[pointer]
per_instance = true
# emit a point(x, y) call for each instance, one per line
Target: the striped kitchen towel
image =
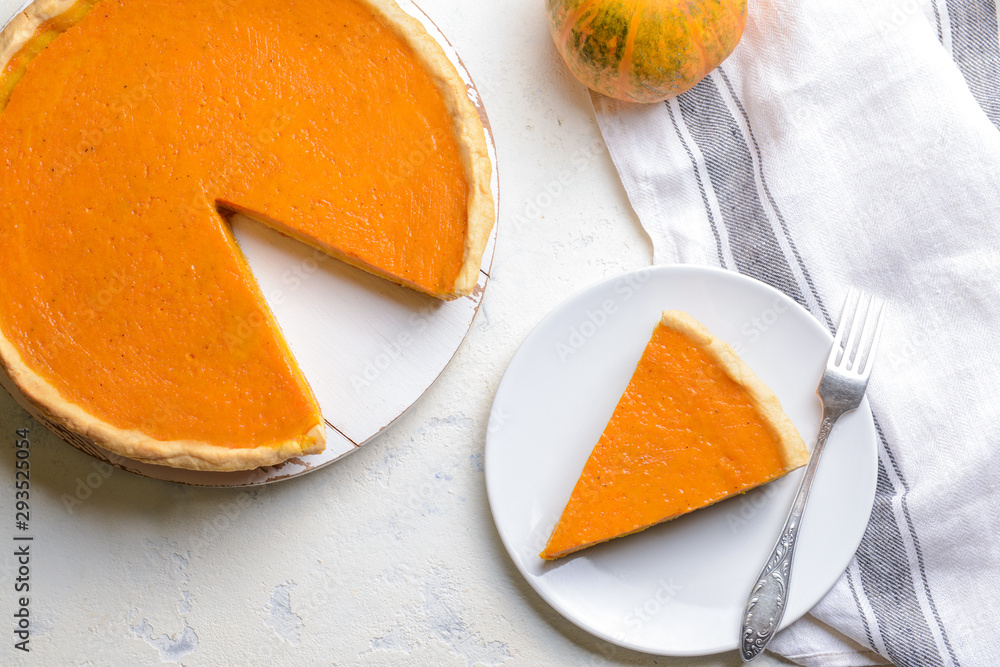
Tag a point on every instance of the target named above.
point(856, 143)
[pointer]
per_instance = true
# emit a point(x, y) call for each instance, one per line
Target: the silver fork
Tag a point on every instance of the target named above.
point(841, 389)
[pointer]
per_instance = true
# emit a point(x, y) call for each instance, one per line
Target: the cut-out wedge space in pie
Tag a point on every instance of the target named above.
point(127, 129)
point(694, 426)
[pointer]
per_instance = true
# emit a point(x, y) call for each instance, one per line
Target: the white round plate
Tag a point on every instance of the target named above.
point(677, 588)
point(368, 348)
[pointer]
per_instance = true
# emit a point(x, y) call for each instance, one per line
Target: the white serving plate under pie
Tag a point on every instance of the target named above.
point(677, 588)
point(368, 348)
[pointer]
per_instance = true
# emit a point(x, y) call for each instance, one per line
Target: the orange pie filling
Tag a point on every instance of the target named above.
point(122, 288)
point(688, 432)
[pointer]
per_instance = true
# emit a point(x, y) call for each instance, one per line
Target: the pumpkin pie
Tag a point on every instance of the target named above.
point(130, 129)
point(694, 426)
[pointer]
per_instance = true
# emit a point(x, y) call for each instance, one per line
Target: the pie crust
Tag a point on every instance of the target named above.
point(200, 455)
point(793, 450)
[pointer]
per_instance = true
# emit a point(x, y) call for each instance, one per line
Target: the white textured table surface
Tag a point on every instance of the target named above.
point(389, 556)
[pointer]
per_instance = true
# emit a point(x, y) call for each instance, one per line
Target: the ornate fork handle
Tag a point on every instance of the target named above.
point(769, 596)
point(841, 389)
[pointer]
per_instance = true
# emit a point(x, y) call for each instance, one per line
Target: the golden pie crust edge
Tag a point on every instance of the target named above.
point(469, 132)
point(137, 445)
point(790, 445)
point(200, 455)
point(23, 25)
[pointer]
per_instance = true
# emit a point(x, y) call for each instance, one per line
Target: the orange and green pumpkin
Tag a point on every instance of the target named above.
point(645, 50)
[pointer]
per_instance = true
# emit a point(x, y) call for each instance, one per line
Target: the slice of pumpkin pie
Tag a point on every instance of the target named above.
point(694, 426)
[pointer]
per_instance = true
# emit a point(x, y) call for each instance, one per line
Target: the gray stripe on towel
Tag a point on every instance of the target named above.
point(701, 186)
point(730, 168)
point(888, 586)
point(937, 20)
point(774, 205)
point(975, 46)
point(916, 541)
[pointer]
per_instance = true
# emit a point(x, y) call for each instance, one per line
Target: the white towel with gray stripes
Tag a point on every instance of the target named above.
point(856, 143)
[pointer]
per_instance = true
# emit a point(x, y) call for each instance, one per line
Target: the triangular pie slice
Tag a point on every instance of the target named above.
point(129, 128)
point(694, 426)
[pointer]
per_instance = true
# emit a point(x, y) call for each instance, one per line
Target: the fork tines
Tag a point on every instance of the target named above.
point(861, 323)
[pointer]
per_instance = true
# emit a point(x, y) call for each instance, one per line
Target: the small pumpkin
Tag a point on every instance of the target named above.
point(645, 50)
